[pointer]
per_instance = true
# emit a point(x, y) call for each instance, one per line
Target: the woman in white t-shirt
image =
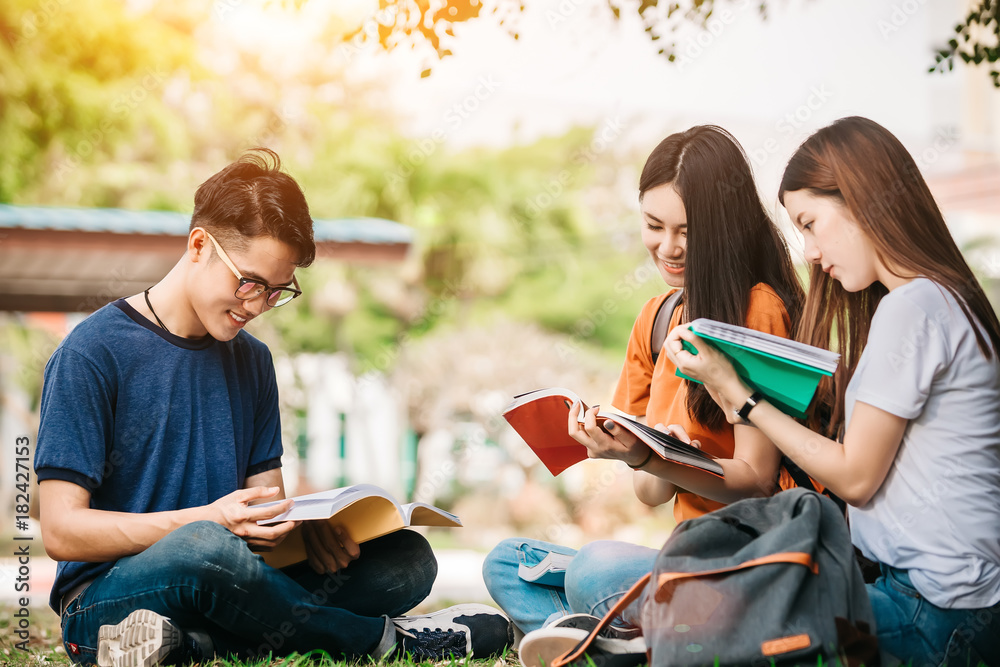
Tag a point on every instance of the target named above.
point(918, 390)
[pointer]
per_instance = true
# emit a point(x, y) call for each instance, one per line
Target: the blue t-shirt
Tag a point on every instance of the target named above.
point(149, 422)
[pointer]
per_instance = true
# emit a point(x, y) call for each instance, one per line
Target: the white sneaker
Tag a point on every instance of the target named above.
point(540, 647)
point(459, 631)
point(145, 639)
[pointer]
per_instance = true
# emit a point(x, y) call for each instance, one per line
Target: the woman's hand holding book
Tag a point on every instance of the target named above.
point(605, 441)
point(711, 368)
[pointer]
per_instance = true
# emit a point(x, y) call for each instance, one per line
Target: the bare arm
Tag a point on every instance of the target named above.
point(72, 530)
point(854, 470)
point(751, 472)
point(651, 489)
point(269, 478)
point(624, 447)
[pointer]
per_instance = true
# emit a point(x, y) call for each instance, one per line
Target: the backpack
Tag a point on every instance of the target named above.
point(763, 581)
point(789, 474)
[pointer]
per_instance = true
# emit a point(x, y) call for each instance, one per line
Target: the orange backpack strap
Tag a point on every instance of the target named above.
point(663, 593)
point(580, 649)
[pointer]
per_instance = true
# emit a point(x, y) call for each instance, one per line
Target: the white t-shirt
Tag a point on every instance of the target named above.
point(937, 514)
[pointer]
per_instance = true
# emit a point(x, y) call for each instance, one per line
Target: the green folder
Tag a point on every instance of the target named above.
point(787, 385)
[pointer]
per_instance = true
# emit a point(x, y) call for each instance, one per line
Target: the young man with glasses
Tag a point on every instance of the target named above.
point(160, 432)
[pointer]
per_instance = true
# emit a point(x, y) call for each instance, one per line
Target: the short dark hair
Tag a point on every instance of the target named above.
point(252, 197)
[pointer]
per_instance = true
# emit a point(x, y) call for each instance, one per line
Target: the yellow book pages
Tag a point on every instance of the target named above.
point(422, 515)
point(364, 519)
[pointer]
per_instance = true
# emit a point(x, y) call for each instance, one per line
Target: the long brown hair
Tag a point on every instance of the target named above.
point(732, 243)
point(866, 169)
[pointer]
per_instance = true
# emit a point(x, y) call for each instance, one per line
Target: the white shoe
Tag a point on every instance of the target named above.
point(145, 639)
point(540, 647)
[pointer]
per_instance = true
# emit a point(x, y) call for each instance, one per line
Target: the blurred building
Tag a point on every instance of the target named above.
point(56, 259)
point(59, 264)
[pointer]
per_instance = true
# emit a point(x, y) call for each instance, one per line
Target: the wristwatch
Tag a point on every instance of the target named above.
point(744, 412)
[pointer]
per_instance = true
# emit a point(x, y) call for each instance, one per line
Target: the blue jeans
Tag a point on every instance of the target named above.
point(599, 574)
point(205, 578)
point(917, 632)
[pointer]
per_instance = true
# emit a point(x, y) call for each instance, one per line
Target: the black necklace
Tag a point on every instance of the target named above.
point(158, 320)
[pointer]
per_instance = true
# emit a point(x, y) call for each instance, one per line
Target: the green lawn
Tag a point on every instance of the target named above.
point(45, 648)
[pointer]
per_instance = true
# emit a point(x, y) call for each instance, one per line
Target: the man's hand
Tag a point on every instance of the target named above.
point(237, 514)
point(329, 549)
point(622, 445)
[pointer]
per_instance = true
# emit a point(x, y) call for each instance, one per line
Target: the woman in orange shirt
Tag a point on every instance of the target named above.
point(706, 229)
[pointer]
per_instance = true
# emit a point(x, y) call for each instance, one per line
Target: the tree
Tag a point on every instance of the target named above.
point(79, 81)
point(416, 23)
point(523, 230)
point(981, 25)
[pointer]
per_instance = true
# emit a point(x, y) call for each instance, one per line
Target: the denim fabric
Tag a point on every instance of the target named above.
point(600, 573)
point(205, 578)
point(917, 632)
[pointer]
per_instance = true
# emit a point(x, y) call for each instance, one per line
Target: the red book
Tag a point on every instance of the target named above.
point(541, 417)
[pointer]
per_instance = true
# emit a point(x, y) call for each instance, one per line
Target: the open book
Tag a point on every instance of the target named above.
point(785, 371)
point(365, 511)
point(540, 418)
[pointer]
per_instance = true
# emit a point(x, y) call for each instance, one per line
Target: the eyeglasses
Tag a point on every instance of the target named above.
point(251, 289)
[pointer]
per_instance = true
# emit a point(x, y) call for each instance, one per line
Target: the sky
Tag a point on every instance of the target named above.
point(770, 82)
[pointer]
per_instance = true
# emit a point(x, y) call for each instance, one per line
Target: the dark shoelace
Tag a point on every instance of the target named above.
point(436, 643)
point(609, 632)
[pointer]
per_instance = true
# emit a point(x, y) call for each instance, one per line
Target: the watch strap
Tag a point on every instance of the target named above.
point(744, 412)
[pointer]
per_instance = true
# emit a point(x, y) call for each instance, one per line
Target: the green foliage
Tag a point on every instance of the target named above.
point(415, 23)
point(967, 44)
point(662, 19)
point(418, 24)
point(30, 347)
point(409, 23)
point(498, 231)
point(79, 79)
point(592, 298)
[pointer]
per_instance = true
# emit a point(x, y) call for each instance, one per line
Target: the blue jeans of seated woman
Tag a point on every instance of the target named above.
point(919, 633)
point(205, 578)
point(597, 577)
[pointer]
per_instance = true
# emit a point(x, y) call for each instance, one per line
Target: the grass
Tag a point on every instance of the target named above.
point(45, 648)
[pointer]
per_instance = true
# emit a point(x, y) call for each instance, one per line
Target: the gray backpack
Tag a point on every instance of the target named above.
point(763, 581)
point(760, 580)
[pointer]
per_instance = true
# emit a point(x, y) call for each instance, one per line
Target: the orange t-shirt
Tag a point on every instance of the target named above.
point(662, 396)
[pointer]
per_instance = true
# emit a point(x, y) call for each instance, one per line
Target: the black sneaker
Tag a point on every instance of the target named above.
point(145, 639)
point(460, 631)
point(540, 647)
